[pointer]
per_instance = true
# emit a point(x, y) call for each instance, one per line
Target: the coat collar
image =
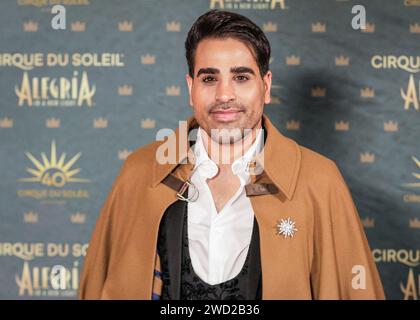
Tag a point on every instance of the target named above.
point(280, 157)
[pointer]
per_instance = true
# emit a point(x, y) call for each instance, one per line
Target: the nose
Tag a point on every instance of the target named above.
point(225, 92)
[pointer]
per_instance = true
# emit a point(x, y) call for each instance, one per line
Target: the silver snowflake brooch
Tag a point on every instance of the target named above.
point(286, 228)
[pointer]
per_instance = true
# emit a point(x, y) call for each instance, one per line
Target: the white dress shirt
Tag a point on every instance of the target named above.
point(219, 242)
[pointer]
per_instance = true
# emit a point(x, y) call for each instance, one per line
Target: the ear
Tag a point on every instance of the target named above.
point(267, 87)
point(189, 84)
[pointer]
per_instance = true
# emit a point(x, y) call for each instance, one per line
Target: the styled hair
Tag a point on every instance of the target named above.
point(223, 24)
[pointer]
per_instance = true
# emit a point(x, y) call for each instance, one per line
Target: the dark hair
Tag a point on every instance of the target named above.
point(223, 24)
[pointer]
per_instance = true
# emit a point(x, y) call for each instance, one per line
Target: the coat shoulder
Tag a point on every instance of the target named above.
point(140, 162)
point(317, 168)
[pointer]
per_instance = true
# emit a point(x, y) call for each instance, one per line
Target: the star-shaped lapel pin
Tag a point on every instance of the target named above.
point(286, 228)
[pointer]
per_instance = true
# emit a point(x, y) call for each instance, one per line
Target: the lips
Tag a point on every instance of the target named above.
point(226, 115)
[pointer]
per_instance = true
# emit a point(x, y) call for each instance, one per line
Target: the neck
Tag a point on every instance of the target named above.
point(226, 154)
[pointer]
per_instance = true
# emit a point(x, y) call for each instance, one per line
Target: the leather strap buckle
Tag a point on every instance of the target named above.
point(185, 185)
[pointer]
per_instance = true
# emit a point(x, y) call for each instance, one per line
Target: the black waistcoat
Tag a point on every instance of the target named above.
point(178, 276)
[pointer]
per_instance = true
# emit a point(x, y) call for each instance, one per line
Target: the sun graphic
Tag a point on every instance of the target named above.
point(52, 172)
point(416, 175)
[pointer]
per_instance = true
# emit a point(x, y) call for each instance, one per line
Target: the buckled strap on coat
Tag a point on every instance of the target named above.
point(251, 189)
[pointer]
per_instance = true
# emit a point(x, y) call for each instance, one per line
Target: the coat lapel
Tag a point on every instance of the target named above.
point(172, 229)
point(254, 270)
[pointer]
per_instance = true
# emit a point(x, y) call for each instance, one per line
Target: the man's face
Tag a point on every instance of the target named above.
point(227, 91)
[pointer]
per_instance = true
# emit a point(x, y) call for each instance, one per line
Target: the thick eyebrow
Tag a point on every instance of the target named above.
point(242, 70)
point(235, 70)
point(208, 71)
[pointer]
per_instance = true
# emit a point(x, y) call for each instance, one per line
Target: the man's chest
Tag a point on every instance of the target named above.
point(222, 189)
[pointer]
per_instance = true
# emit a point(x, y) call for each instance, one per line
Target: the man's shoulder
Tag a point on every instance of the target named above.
point(314, 159)
point(141, 160)
point(145, 154)
point(316, 167)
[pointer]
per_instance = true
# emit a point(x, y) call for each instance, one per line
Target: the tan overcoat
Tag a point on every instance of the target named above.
point(327, 258)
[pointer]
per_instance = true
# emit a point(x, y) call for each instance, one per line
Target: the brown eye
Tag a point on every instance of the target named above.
point(208, 79)
point(242, 78)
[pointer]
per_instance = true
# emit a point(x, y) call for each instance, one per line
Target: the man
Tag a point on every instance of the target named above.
point(242, 213)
